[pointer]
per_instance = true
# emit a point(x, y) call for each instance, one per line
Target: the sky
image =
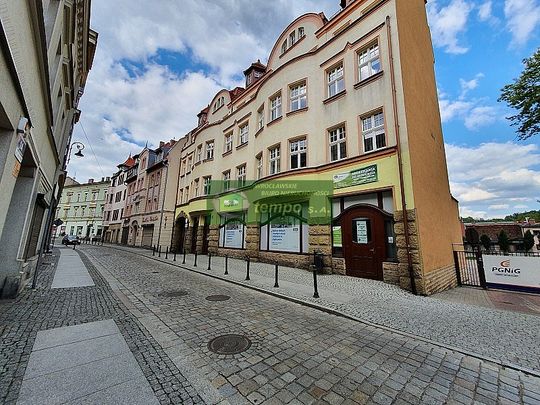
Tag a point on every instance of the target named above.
point(159, 63)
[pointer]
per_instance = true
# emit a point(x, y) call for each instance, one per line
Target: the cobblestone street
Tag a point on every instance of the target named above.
point(298, 354)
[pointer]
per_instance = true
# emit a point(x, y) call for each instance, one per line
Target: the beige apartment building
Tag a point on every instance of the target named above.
point(116, 202)
point(81, 209)
point(151, 197)
point(348, 103)
point(46, 52)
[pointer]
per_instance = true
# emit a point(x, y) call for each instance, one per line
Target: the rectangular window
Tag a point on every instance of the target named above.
point(199, 154)
point(226, 180)
point(336, 82)
point(338, 144)
point(298, 153)
point(301, 32)
point(228, 142)
point(188, 169)
point(275, 107)
point(244, 134)
point(274, 160)
point(206, 184)
point(196, 187)
point(260, 118)
point(373, 132)
point(241, 175)
point(298, 96)
point(183, 168)
point(259, 166)
point(187, 195)
point(209, 150)
point(369, 62)
point(292, 38)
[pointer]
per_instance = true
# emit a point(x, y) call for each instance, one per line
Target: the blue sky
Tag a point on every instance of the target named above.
point(156, 67)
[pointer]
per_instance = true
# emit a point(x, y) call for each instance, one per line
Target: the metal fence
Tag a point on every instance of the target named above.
point(469, 268)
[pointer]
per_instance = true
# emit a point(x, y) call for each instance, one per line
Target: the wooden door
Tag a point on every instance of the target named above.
point(364, 245)
point(206, 234)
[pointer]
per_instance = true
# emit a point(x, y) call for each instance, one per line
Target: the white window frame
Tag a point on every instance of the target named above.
point(196, 187)
point(292, 38)
point(209, 150)
point(373, 130)
point(241, 174)
point(335, 79)
point(260, 166)
point(298, 96)
point(243, 134)
point(226, 180)
point(260, 118)
point(207, 181)
point(338, 136)
point(274, 160)
point(367, 58)
point(297, 148)
point(301, 32)
point(199, 154)
point(275, 107)
point(228, 142)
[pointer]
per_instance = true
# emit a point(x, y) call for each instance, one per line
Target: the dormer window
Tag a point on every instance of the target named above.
point(301, 32)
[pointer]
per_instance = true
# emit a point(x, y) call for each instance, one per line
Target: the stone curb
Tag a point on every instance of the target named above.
point(343, 315)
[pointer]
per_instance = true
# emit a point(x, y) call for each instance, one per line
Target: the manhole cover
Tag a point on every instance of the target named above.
point(229, 344)
point(218, 297)
point(179, 293)
point(155, 272)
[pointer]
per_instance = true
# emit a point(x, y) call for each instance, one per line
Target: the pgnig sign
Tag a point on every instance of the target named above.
point(516, 271)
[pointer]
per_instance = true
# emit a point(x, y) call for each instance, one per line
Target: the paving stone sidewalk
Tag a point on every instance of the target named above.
point(298, 355)
point(508, 337)
point(45, 308)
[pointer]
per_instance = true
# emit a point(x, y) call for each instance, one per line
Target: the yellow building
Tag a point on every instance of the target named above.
point(350, 104)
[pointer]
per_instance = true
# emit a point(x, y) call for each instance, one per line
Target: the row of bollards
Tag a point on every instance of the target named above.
point(157, 249)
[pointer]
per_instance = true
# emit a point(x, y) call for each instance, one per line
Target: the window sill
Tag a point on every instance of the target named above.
point(335, 97)
point(242, 145)
point(369, 80)
point(274, 121)
point(258, 132)
point(226, 153)
point(197, 163)
point(300, 110)
point(291, 47)
point(208, 160)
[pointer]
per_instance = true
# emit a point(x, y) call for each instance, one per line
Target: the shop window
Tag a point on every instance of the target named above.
point(285, 232)
point(232, 231)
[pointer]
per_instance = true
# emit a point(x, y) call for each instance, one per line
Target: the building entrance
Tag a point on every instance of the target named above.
point(364, 244)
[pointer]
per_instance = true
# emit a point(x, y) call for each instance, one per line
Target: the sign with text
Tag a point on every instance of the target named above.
point(234, 236)
point(356, 177)
point(284, 238)
point(519, 271)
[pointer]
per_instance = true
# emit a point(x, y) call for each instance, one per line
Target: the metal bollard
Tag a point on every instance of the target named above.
point(226, 265)
point(167, 253)
point(247, 269)
point(153, 250)
point(159, 251)
point(209, 261)
point(316, 291)
point(174, 257)
point(195, 262)
point(184, 259)
point(276, 285)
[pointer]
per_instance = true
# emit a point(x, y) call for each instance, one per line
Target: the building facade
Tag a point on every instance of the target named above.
point(350, 104)
point(81, 209)
point(151, 197)
point(46, 52)
point(115, 203)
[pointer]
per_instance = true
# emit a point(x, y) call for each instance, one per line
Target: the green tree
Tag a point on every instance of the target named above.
point(471, 235)
point(524, 96)
point(528, 240)
point(485, 241)
point(504, 242)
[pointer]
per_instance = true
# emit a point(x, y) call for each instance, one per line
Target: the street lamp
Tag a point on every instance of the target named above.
point(80, 148)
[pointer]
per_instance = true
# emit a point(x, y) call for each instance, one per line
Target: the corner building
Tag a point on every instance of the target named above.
point(352, 101)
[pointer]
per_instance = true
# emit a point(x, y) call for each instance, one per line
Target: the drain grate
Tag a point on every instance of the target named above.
point(218, 297)
point(229, 344)
point(173, 294)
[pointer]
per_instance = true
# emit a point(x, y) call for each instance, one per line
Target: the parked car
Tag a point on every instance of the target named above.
point(71, 240)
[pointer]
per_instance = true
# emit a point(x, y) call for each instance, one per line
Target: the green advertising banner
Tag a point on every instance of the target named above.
point(356, 177)
point(336, 236)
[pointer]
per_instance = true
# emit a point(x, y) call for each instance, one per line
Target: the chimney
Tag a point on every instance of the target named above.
point(345, 3)
point(90, 181)
point(172, 142)
point(161, 143)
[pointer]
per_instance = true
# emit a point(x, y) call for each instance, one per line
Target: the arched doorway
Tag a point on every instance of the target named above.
point(194, 231)
point(134, 231)
point(179, 234)
point(364, 240)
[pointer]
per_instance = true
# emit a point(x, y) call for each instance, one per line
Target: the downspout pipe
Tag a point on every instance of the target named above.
point(400, 161)
point(163, 201)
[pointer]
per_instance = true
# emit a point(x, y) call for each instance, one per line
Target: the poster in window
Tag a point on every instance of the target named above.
point(361, 232)
point(284, 237)
point(336, 236)
point(234, 233)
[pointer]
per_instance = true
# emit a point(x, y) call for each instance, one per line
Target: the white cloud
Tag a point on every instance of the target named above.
point(522, 19)
point(481, 116)
point(448, 23)
point(487, 177)
point(485, 11)
point(468, 85)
